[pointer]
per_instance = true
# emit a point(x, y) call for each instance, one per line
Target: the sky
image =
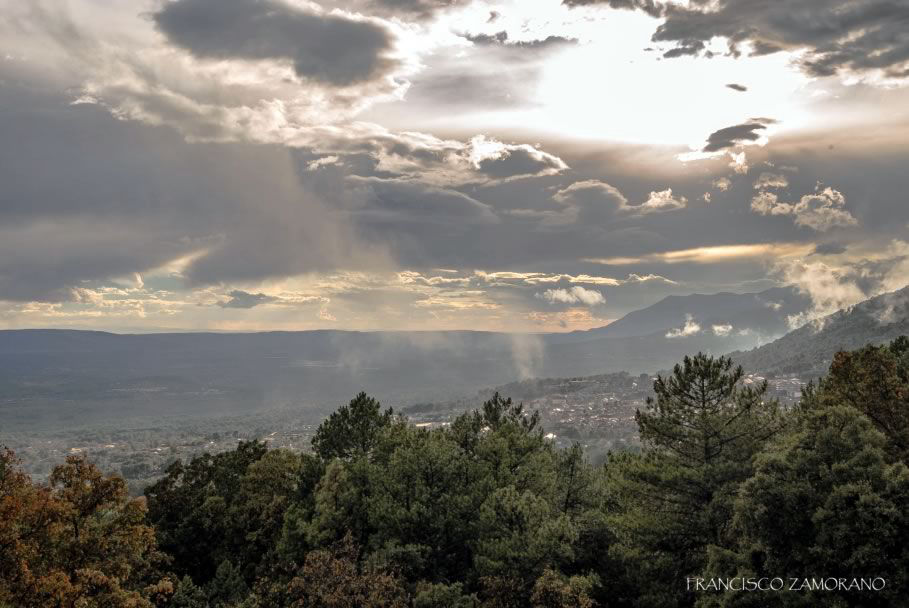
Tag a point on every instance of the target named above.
point(244, 165)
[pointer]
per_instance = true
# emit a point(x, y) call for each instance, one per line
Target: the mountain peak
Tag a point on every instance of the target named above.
point(763, 313)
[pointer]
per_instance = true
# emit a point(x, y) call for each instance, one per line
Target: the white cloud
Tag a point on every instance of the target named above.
point(722, 184)
point(722, 330)
point(821, 211)
point(637, 278)
point(505, 161)
point(739, 163)
point(662, 201)
point(573, 295)
point(897, 276)
point(830, 289)
point(690, 328)
point(770, 180)
point(594, 201)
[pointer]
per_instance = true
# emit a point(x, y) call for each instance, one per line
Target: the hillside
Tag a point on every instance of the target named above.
point(807, 351)
point(764, 313)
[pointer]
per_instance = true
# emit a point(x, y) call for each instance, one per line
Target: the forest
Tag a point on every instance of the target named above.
point(731, 500)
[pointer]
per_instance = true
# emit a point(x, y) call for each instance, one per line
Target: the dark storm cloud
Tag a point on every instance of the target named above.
point(591, 202)
point(830, 249)
point(47, 260)
point(393, 201)
point(737, 87)
point(857, 35)
point(327, 48)
point(520, 161)
point(86, 197)
point(728, 137)
point(244, 299)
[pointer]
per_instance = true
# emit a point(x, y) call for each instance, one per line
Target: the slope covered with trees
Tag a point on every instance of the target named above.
point(808, 350)
point(486, 512)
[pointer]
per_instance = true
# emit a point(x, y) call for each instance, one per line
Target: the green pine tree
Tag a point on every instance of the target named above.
point(674, 500)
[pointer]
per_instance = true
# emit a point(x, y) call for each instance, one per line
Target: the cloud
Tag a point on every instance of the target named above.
point(830, 288)
point(501, 161)
point(737, 87)
point(324, 47)
point(502, 38)
point(896, 268)
point(270, 72)
point(661, 201)
point(730, 137)
point(834, 287)
point(590, 200)
point(407, 9)
point(858, 36)
point(244, 299)
point(690, 328)
point(573, 295)
point(442, 162)
point(722, 330)
point(541, 278)
point(769, 180)
point(722, 184)
point(713, 254)
point(237, 70)
point(651, 7)
point(636, 278)
point(594, 200)
point(396, 201)
point(823, 210)
point(739, 162)
point(829, 249)
point(45, 260)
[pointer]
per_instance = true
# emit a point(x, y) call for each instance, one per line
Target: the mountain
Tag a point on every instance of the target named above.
point(66, 377)
point(808, 351)
point(764, 314)
point(635, 354)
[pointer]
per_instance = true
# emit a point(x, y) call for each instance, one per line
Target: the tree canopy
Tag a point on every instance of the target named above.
point(486, 512)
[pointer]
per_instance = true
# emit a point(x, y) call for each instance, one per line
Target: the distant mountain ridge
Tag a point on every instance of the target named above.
point(808, 351)
point(764, 313)
point(61, 377)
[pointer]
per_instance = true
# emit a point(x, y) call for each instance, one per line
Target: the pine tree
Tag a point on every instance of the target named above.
point(823, 502)
point(351, 430)
point(674, 500)
point(188, 595)
point(227, 587)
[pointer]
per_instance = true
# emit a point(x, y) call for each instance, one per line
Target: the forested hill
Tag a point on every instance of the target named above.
point(807, 351)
